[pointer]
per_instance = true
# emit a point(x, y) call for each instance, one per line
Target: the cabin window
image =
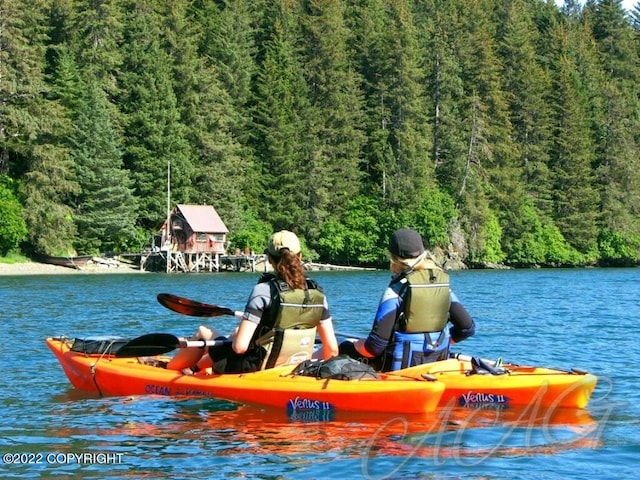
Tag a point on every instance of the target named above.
point(217, 237)
point(201, 237)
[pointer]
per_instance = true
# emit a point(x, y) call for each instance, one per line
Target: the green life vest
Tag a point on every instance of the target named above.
point(291, 308)
point(291, 328)
point(426, 299)
point(299, 308)
point(420, 334)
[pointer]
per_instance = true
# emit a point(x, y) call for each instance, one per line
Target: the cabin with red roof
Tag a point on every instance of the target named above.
point(193, 237)
point(197, 228)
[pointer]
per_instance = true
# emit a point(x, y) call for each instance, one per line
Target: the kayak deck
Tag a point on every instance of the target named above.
point(510, 385)
point(277, 387)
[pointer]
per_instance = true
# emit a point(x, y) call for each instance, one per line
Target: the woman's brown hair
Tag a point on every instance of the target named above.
point(289, 268)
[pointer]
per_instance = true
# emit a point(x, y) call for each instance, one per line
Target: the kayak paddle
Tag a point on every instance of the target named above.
point(197, 309)
point(158, 343)
point(193, 308)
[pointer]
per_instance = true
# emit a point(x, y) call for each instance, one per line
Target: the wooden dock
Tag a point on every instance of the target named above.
point(182, 262)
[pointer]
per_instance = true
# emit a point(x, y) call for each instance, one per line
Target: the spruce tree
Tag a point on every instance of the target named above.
point(213, 79)
point(105, 210)
point(96, 35)
point(282, 119)
point(439, 31)
point(397, 156)
point(32, 128)
point(155, 138)
point(527, 85)
point(410, 142)
point(367, 21)
point(618, 153)
point(335, 136)
point(575, 197)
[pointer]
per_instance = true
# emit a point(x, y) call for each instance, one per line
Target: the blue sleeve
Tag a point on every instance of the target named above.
point(383, 322)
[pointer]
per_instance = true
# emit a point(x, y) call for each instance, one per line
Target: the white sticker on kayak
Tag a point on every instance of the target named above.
point(474, 398)
point(306, 404)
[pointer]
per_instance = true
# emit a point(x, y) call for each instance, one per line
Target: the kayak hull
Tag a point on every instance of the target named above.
point(518, 386)
point(111, 376)
point(419, 389)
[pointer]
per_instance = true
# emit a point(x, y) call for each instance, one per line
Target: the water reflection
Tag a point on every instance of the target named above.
point(229, 429)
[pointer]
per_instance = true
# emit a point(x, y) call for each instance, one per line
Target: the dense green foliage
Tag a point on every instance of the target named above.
point(504, 131)
point(13, 229)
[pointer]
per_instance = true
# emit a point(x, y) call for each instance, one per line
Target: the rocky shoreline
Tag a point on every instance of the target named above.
point(36, 268)
point(450, 262)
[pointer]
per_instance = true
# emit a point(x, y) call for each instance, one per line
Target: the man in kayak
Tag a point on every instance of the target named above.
point(279, 322)
point(410, 326)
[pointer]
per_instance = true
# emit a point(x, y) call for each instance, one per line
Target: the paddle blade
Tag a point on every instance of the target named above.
point(149, 345)
point(191, 307)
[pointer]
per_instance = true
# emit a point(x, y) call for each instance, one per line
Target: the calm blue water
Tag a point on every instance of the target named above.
point(564, 318)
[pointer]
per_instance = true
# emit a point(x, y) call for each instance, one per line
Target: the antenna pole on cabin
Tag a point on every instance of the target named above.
point(168, 232)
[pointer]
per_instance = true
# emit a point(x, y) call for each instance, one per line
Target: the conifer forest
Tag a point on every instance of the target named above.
point(507, 132)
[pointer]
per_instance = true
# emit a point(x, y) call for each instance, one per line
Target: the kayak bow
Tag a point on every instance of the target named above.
point(109, 375)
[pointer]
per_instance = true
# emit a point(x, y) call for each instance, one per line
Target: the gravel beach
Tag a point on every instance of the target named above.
point(35, 268)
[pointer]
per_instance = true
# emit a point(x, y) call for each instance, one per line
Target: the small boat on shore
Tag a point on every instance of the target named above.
point(77, 262)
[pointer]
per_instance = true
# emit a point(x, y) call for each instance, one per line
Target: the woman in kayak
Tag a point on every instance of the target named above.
point(279, 322)
point(410, 326)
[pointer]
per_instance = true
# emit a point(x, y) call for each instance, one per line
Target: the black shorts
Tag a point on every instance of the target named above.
point(225, 360)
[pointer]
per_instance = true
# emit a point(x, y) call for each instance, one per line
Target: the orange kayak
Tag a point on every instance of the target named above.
point(456, 382)
point(508, 384)
point(276, 387)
